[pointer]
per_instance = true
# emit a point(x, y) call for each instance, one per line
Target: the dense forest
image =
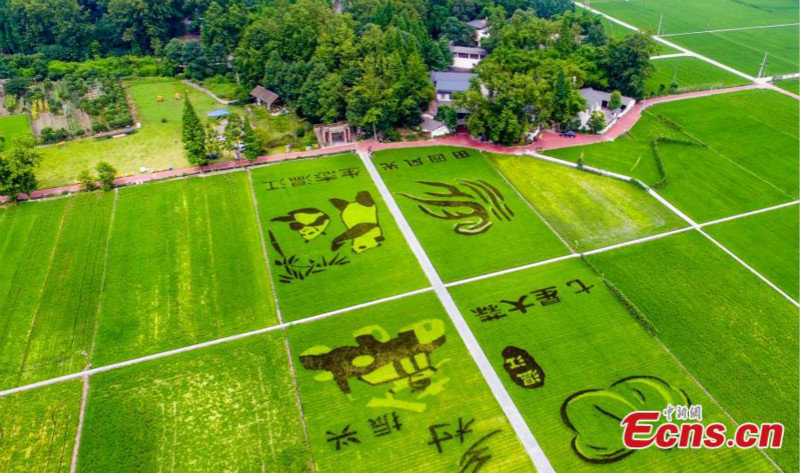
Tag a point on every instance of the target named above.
point(368, 64)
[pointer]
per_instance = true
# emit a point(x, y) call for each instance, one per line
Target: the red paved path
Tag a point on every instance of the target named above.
point(547, 140)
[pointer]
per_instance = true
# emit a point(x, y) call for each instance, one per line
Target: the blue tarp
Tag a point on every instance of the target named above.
point(220, 112)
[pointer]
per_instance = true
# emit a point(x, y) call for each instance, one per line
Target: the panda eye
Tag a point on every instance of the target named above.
point(295, 225)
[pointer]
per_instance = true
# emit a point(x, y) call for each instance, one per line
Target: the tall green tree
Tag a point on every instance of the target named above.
point(18, 168)
point(106, 173)
point(193, 135)
point(628, 63)
point(567, 102)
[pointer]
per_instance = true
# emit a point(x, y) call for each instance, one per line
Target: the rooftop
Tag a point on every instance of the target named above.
point(451, 81)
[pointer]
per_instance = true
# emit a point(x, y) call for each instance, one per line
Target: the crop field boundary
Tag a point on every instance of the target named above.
point(79, 432)
point(508, 406)
point(288, 348)
point(742, 28)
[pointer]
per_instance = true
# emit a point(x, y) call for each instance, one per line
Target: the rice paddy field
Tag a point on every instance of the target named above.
point(426, 409)
point(581, 338)
point(466, 215)
point(330, 238)
point(744, 322)
point(227, 408)
point(768, 242)
point(736, 33)
point(185, 265)
point(713, 170)
point(690, 74)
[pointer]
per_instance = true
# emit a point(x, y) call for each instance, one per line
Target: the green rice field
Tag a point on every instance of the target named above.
point(38, 429)
point(690, 74)
point(694, 25)
point(331, 240)
point(768, 242)
point(393, 388)
point(51, 265)
point(13, 126)
point(227, 408)
point(467, 217)
point(588, 210)
point(791, 85)
point(713, 170)
point(579, 337)
point(185, 265)
point(734, 333)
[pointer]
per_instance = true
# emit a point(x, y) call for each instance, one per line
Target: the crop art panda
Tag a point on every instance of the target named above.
point(309, 223)
point(361, 219)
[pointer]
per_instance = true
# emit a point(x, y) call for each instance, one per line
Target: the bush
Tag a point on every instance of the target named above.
point(86, 180)
point(106, 174)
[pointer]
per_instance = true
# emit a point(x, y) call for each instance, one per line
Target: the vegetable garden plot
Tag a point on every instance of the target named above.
point(392, 388)
point(713, 169)
point(467, 217)
point(331, 240)
point(230, 407)
point(737, 335)
point(38, 429)
point(185, 265)
point(587, 210)
point(575, 361)
point(768, 242)
point(51, 264)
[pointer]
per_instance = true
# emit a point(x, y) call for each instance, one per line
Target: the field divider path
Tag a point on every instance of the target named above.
point(79, 432)
point(290, 359)
point(730, 253)
point(742, 28)
point(490, 375)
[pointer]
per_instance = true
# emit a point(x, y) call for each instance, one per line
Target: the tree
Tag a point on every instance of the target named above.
point(597, 121)
point(86, 180)
point(17, 168)
point(628, 63)
point(448, 115)
point(193, 136)
point(567, 102)
point(106, 174)
point(252, 145)
point(615, 101)
point(195, 60)
point(457, 31)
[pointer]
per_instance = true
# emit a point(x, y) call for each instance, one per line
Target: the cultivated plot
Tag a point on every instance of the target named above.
point(744, 49)
point(576, 361)
point(51, 265)
point(13, 126)
point(589, 211)
point(392, 388)
point(469, 220)
point(230, 407)
point(185, 265)
point(792, 85)
point(709, 168)
point(737, 335)
point(331, 240)
point(38, 429)
point(768, 242)
point(688, 74)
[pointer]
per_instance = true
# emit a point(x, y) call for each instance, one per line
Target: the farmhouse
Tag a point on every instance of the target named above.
point(446, 84)
point(481, 27)
point(597, 100)
point(265, 96)
point(335, 134)
point(466, 58)
point(431, 127)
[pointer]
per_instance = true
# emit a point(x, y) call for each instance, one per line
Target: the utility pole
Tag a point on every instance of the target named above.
point(763, 65)
point(660, 20)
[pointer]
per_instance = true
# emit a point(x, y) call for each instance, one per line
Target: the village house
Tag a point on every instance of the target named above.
point(597, 100)
point(465, 58)
point(265, 96)
point(481, 27)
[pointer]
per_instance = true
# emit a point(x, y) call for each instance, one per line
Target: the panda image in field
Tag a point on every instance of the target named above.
point(361, 219)
point(309, 223)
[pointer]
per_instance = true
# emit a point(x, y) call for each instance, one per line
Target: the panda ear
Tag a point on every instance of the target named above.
point(364, 198)
point(339, 203)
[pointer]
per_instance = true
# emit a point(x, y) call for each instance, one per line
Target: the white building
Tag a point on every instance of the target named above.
point(466, 58)
point(597, 100)
point(481, 27)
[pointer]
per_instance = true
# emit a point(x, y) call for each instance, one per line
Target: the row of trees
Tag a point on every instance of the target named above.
point(201, 144)
point(536, 66)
